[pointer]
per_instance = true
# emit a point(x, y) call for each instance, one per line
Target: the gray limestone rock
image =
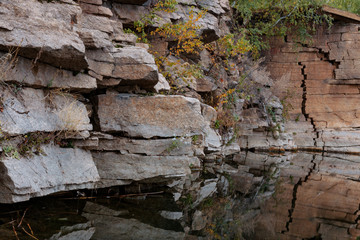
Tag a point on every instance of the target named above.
point(115, 168)
point(128, 13)
point(24, 71)
point(103, 24)
point(126, 38)
point(207, 190)
point(211, 6)
point(43, 31)
point(57, 169)
point(151, 147)
point(162, 85)
point(134, 65)
point(160, 116)
point(129, 65)
point(32, 110)
point(94, 39)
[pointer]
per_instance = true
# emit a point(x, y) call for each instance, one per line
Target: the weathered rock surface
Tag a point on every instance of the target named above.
point(115, 169)
point(129, 13)
point(211, 6)
point(57, 169)
point(32, 110)
point(323, 91)
point(153, 147)
point(135, 63)
point(207, 190)
point(162, 85)
point(43, 31)
point(24, 71)
point(64, 48)
point(147, 117)
point(129, 65)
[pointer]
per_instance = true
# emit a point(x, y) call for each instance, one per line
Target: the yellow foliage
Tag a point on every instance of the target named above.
point(184, 33)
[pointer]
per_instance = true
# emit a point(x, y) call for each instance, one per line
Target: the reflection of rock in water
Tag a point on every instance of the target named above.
point(82, 231)
point(110, 227)
point(315, 196)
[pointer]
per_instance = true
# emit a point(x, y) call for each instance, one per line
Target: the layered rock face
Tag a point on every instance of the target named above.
point(71, 73)
point(322, 84)
point(71, 77)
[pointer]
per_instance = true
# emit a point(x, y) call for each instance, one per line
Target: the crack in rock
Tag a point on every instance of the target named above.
point(303, 105)
point(293, 201)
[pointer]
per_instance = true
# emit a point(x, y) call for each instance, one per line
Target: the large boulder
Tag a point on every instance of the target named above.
point(42, 31)
point(57, 169)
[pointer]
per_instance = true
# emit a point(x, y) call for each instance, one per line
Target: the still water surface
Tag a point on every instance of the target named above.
point(293, 196)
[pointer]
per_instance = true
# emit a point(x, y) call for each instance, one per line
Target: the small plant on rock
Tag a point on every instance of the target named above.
point(11, 151)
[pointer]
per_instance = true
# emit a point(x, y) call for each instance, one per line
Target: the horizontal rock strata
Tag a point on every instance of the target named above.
point(322, 82)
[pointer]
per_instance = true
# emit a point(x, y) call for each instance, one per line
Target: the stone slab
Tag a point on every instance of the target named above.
point(57, 169)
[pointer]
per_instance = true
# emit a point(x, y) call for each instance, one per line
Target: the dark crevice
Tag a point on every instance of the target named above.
point(296, 186)
point(293, 203)
point(126, 135)
point(357, 212)
point(303, 105)
point(94, 118)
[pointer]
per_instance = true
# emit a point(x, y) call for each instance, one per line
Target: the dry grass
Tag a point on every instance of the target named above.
point(72, 115)
point(7, 62)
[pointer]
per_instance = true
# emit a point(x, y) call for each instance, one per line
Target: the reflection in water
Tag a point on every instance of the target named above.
point(316, 197)
point(292, 196)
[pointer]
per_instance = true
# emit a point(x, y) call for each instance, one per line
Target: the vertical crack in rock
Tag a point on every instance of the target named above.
point(303, 105)
point(296, 186)
point(357, 213)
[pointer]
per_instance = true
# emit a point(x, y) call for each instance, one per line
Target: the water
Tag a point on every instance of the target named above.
point(290, 196)
point(98, 218)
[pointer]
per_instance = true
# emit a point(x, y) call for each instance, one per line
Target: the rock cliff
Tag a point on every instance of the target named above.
point(79, 107)
point(321, 81)
point(85, 105)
